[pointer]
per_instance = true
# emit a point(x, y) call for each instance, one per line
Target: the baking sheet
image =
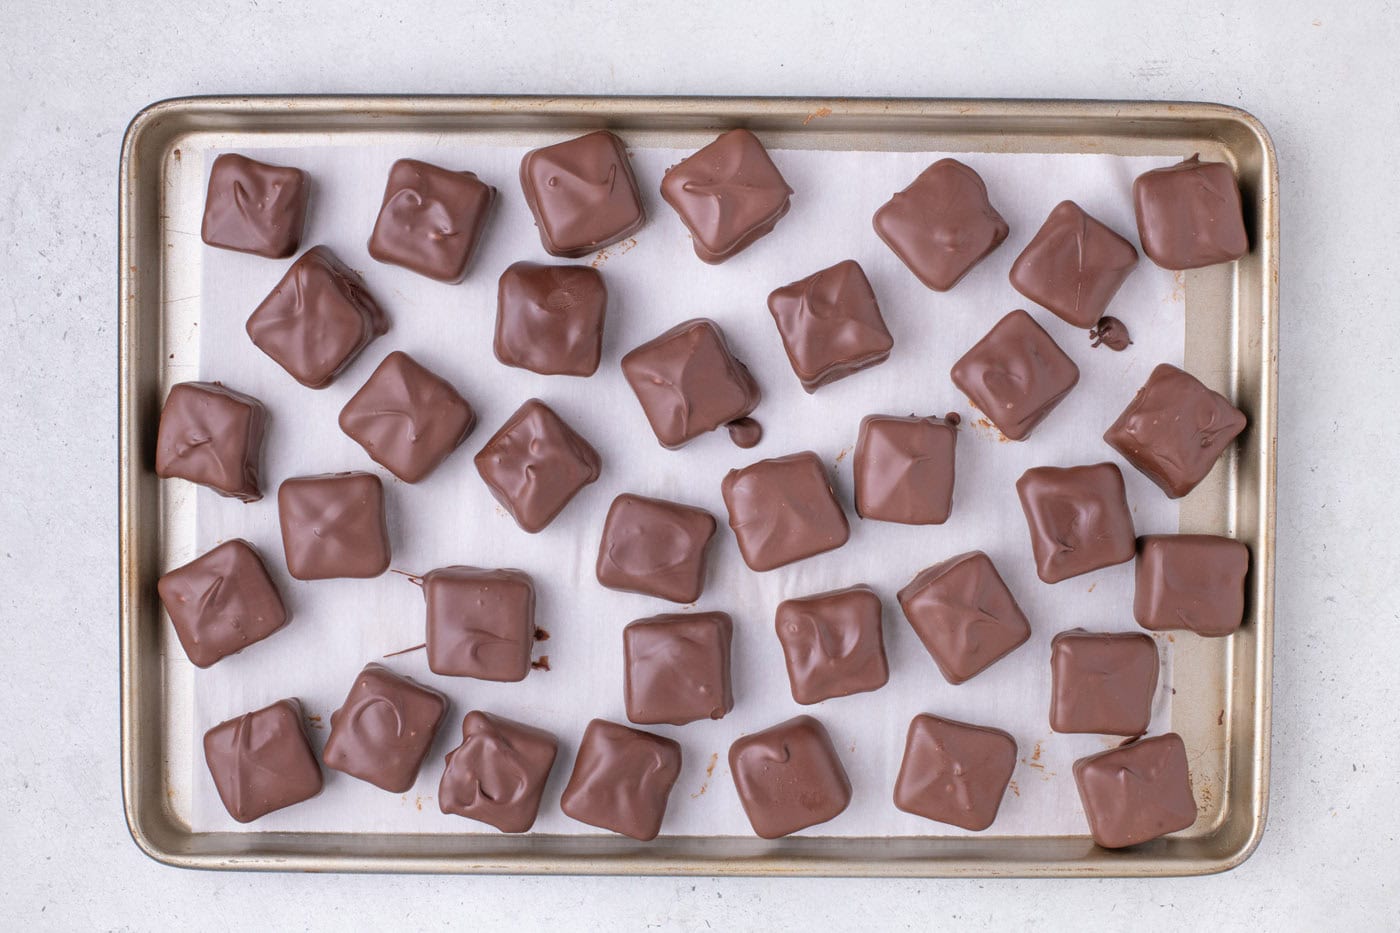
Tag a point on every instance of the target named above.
point(655, 281)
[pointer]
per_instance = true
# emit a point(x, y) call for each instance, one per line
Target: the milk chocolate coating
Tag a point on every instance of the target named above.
point(333, 525)
point(1136, 792)
point(1102, 682)
point(1078, 519)
point(407, 418)
point(655, 547)
point(745, 433)
point(942, 224)
point(833, 644)
point(1191, 583)
point(783, 510)
point(954, 772)
point(789, 777)
point(262, 761)
point(222, 602)
point(253, 207)
point(497, 775)
point(689, 383)
point(1016, 375)
point(1110, 332)
point(535, 464)
point(676, 668)
point(1175, 429)
point(904, 469)
point(582, 194)
point(622, 779)
point(830, 324)
point(728, 194)
point(963, 613)
point(431, 220)
point(549, 319)
point(480, 623)
point(212, 435)
point(1074, 265)
point(385, 729)
point(1189, 215)
point(317, 319)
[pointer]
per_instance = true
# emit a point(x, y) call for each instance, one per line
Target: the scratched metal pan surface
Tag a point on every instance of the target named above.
point(1222, 704)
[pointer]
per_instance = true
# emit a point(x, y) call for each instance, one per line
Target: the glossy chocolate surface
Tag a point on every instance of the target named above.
point(253, 207)
point(262, 761)
point(317, 319)
point(1078, 519)
point(1074, 265)
point(942, 224)
point(1015, 375)
point(1191, 583)
point(333, 525)
point(964, 614)
point(676, 668)
point(833, 644)
point(535, 464)
point(549, 318)
point(1189, 215)
point(1175, 429)
point(431, 220)
point(904, 469)
point(1110, 332)
point(212, 435)
point(622, 779)
point(655, 547)
point(728, 194)
point(789, 777)
point(480, 623)
point(1136, 792)
point(582, 193)
point(497, 775)
point(385, 728)
point(830, 324)
point(222, 602)
point(954, 772)
point(783, 510)
point(1102, 682)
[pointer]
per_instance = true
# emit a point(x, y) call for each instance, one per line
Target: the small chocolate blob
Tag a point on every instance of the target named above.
point(1110, 332)
point(745, 433)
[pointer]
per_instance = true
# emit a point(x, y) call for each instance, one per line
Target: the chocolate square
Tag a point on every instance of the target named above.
point(253, 207)
point(964, 614)
point(407, 418)
point(622, 779)
point(222, 602)
point(385, 729)
point(497, 775)
point(1078, 519)
point(728, 194)
point(832, 644)
point(212, 435)
point(431, 219)
point(789, 777)
point(582, 194)
point(783, 510)
point(689, 383)
point(481, 623)
point(1074, 265)
point(1175, 429)
point(953, 772)
point(1102, 682)
point(676, 668)
point(535, 464)
point(317, 319)
point(333, 525)
point(1189, 215)
point(1191, 583)
point(655, 547)
point(1015, 375)
point(262, 761)
point(904, 469)
point(830, 324)
point(942, 224)
point(1136, 792)
point(549, 319)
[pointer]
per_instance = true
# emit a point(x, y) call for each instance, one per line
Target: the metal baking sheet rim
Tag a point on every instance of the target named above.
point(994, 125)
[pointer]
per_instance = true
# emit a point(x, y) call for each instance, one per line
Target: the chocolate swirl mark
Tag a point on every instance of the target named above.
point(408, 205)
point(363, 705)
point(494, 772)
point(243, 760)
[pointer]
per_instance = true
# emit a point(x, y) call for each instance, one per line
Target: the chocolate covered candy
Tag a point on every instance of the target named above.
point(221, 602)
point(622, 779)
point(431, 219)
point(1074, 265)
point(728, 194)
point(262, 761)
point(953, 772)
point(1175, 429)
point(1189, 215)
point(1193, 583)
point(333, 525)
point(1078, 519)
point(385, 728)
point(212, 435)
point(830, 324)
point(497, 775)
point(942, 224)
point(1015, 375)
point(582, 194)
point(655, 547)
point(783, 510)
point(480, 623)
point(789, 777)
point(1102, 682)
point(964, 614)
point(1136, 792)
point(904, 469)
point(254, 207)
point(833, 644)
point(677, 668)
point(535, 464)
point(549, 319)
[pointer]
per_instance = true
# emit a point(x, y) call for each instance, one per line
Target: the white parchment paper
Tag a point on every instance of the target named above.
point(655, 281)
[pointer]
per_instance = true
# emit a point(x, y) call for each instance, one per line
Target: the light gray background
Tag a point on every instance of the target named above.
point(1321, 79)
